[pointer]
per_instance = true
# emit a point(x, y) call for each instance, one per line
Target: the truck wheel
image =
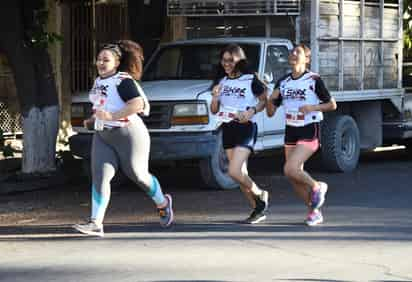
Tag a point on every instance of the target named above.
point(214, 169)
point(340, 143)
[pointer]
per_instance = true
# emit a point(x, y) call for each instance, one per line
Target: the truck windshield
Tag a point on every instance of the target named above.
point(195, 61)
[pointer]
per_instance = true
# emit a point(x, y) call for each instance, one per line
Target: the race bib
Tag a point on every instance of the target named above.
point(295, 118)
point(227, 114)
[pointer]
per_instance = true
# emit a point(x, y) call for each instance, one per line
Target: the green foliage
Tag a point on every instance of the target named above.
point(407, 26)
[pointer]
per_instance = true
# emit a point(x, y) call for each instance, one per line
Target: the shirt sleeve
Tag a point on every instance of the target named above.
point(321, 91)
point(127, 89)
point(258, 87)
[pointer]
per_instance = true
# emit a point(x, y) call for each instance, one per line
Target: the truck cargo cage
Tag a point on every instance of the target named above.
point(232, 7)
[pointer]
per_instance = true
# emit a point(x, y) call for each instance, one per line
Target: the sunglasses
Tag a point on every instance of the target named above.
point(114, 48)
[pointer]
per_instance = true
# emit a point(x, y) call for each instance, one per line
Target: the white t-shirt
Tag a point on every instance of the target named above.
point(105, 95)
point(238, 94)
point(307, 89)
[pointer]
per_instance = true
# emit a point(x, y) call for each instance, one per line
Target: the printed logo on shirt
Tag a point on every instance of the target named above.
point(234, 91)
point(295, 94)
point(102, 89)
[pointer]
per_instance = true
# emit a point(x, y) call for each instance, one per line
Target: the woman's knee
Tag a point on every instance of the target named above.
point(235, 173)
point(291, 170)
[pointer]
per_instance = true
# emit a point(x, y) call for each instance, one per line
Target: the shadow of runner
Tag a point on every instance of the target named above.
point(213, 231)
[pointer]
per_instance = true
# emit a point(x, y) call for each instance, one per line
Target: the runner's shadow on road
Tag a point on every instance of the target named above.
point(211, 231)
point(191, 281)
point(313, 280)
point(333, 280)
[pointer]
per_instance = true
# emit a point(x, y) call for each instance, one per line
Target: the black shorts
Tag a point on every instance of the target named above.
point(239, 134)
point(307, 133)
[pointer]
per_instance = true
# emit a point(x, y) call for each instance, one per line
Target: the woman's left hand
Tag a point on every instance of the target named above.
point(307, 109)
point(246, 115)
point(104, 115)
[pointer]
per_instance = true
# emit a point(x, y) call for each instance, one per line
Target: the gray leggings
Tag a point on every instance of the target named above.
point(126, 147)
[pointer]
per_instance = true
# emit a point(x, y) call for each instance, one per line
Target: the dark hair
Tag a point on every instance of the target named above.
point(132, 58)
point(241, 66)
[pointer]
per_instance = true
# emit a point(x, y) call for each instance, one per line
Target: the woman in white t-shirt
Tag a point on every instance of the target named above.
point(304, 98)
point(121, 139)
point(237, 97)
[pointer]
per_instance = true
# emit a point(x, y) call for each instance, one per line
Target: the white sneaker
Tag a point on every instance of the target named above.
point(314, 218)
point(90, 228)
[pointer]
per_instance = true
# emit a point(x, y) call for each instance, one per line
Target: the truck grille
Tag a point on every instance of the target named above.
point(159, 117)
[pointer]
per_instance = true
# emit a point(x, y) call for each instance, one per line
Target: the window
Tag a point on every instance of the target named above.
point(195, 61)
point(276, 63)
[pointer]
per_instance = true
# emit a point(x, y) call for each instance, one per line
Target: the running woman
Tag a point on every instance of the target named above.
point(237, 96)
point(304, 97)
point(121, 139)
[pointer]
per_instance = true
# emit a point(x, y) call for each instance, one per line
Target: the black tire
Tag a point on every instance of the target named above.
point(214, 169)
point(340, 143)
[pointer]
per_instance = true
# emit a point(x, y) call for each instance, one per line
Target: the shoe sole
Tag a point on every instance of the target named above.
point(314, 223)
point(323, 198)
point(262, 218)
point(169, 198)
point(88, 232)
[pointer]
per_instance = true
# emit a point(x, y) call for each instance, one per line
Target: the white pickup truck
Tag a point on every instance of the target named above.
point(177, 82)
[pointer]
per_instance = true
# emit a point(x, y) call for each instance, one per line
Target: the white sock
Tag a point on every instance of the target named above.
point(256, 190)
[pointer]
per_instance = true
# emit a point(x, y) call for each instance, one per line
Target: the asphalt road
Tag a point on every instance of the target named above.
point(367, 234)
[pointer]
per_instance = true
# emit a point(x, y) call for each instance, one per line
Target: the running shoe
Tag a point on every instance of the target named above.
point(90, 228)
point(314, 218)
point(318, 196)
point(255, 217)
point(262, 202)
point(166, 213)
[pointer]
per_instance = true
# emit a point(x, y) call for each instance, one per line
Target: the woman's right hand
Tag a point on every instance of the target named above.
point(89, 123)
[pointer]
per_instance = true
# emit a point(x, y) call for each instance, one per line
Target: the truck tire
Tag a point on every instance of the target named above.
point(340, 143)
point(214, 169)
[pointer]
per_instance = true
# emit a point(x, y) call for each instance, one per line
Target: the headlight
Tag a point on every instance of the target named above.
point(190, 113)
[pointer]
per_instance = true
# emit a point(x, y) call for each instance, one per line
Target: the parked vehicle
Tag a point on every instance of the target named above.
point(359, 61)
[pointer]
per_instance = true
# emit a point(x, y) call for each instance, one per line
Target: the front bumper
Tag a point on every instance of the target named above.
point(164, 145)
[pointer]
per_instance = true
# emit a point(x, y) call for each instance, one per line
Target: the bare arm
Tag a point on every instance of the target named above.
point(247, 115)
point(215, 104)
point(270, 107)
point(324, 107)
